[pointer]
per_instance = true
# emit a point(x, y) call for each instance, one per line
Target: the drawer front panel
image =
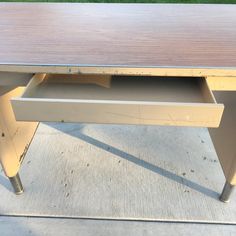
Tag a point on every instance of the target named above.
point(117, 113)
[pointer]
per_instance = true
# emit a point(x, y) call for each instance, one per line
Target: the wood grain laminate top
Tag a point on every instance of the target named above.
point(139, 35)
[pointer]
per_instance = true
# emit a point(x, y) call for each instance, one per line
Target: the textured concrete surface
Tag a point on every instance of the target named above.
point(169, 174)
point(22, 226)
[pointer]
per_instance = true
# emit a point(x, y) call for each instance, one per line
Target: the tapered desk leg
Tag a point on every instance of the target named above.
point(224, 140)
point(15, 138)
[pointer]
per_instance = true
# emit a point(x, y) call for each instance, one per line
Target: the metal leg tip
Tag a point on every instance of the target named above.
point(223, 199)
point(19, 192)
point(225, 195)
point(16, 184)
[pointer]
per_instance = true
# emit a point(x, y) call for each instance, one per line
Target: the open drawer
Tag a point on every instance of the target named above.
point(178, 101)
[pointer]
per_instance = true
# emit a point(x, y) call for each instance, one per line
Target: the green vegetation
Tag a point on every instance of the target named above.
point(131, 1)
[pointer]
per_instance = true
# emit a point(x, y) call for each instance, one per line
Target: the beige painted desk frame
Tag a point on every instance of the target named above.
point(167, 40)
point(16, 136)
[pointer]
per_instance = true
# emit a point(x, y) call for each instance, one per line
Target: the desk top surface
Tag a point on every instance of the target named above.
point(140, 35)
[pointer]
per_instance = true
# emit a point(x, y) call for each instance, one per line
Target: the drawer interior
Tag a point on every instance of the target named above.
point(121, 88)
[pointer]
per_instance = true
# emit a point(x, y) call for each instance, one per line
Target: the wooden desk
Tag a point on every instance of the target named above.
point(117, 63)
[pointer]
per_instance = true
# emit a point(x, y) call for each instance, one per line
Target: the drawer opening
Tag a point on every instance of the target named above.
point(106, 99)
point(120, 88)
